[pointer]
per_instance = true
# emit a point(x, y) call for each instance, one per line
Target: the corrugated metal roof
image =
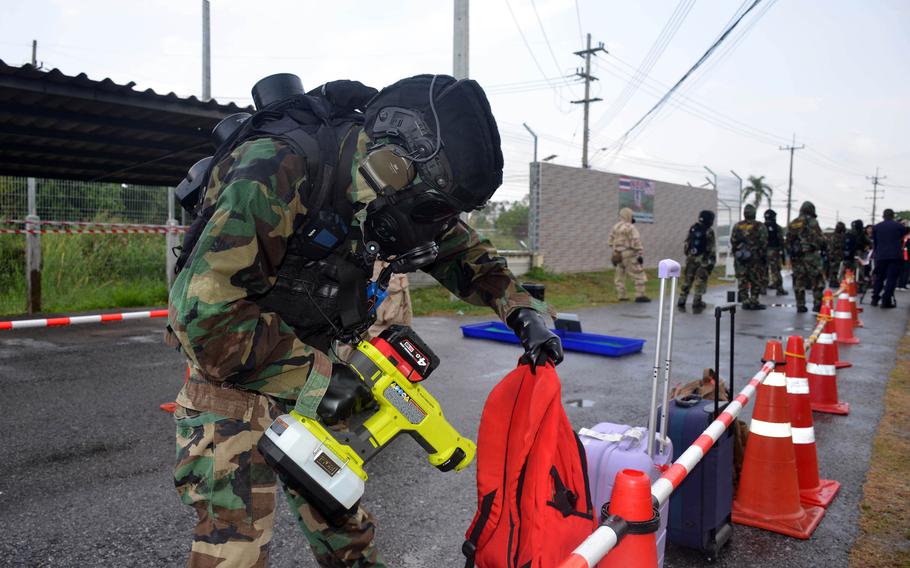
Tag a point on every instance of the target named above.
point(54, 125)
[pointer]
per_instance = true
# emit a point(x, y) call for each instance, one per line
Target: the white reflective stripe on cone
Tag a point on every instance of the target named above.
point(797, 385)
point(843, 315)
point(853, 299)
point(770, 429)
point(803, 435)
point(817, 369)
point(776, 379)
point(825, 339)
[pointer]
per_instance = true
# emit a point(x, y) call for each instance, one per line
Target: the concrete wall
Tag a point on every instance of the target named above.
point(519, 263)
point(578, 207)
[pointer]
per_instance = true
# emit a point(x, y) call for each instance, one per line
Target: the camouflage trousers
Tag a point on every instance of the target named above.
point(696, 275)
point(629, 266)
point(749, 279)
point(775, 263)
point(222, 475)
point(808, 275)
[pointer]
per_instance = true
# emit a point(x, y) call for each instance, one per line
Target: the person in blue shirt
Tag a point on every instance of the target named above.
point(887, 238)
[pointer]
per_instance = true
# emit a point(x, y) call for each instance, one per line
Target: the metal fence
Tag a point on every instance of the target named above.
point(90, 243)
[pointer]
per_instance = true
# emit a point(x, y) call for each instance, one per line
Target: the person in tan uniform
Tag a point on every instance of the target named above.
point(627, 256)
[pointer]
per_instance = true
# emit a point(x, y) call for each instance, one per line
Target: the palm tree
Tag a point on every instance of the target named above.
point(759, 190)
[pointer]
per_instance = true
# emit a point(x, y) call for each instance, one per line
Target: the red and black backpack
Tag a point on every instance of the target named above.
point(534, 503)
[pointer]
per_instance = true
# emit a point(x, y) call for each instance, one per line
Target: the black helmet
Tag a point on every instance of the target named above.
point(840, 227)
point(448, 133)
point(807, 209)
point(770, 215)
point(858, 225)
point(749, 212)
point(706, 218)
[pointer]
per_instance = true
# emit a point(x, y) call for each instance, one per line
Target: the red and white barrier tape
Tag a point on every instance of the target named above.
point(602, 540)
point(75, 320)
point(163, 231)
point(84, 224)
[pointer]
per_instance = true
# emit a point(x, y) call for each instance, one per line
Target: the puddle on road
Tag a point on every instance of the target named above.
point(580, 403)
point(636, 316)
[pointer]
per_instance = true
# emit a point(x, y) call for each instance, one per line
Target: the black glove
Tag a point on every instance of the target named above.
point(641, 260)
point(345, 395)
point(540, 344)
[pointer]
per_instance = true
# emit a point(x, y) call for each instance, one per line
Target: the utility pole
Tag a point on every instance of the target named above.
point(587, 53)
point(791, 148)
point(206, 53)
point(739, 216)
point(460, 40)
point(876, 179)
point(34, 53)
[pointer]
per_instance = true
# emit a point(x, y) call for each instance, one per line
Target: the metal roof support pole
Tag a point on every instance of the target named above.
point(171, 240)
point(32, 251)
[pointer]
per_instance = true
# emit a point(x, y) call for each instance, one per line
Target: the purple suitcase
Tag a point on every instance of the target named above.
point(610, 448)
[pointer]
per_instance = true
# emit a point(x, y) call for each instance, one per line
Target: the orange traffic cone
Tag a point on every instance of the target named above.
point(843, 321)
point(774, 351)
point(854, 307)
point(822, 372)
point(631, 500)
point(850, 278)
point(812, 489)
point(831, 338)
point(828, 298)
point(768, 494)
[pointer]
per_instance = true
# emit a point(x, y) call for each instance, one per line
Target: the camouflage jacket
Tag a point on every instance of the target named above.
point(624, 236)
point(836, 246)
point(805, 238)
point(231, 344)
point(750, 241)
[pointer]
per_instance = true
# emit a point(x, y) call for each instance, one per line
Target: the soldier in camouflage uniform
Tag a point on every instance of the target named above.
point(835, 254)
point(255, 345)
point(701, 255)
point(805, 241)
point(749, 240)
point(627, 256)
point(775, 256)
point(856, 243)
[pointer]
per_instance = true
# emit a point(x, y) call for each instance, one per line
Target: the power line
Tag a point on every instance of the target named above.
point(647, 64)
point(531, 51)
point(688, 73)
point(581, 35)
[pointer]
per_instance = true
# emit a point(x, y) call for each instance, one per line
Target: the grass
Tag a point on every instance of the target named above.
point(85, 272)
point(563, 291)
point(884, 515)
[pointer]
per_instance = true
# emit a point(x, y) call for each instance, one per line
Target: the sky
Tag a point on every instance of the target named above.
point(834, 73)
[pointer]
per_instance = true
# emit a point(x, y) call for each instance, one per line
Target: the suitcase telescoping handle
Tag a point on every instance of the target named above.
point(667, 269)
point(718, 311)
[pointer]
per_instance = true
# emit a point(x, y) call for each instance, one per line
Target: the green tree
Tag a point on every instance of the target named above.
point(758, 190)
point(513, 220)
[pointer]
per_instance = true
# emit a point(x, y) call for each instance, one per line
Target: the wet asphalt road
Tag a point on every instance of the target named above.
point(87, 455)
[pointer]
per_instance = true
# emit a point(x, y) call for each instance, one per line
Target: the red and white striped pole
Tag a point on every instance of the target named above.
point(602, 540)
point(76, 320)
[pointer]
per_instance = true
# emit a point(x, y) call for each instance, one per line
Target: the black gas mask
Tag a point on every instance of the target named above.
point(410, 173)
point(435, 153)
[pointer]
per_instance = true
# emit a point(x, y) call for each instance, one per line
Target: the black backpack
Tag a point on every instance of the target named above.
point(315, 125)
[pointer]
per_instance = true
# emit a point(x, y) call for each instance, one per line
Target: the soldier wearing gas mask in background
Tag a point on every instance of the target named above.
point(749, 240)
point(701, 256)
point(856, 243)
point(835, 255)
point(297, 205)
point(805, 241)
point(775, 256)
